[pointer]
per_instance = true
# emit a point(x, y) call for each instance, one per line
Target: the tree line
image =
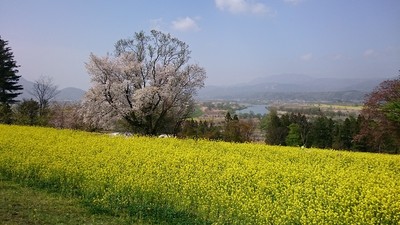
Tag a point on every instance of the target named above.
point(321, 132)
point(231, 129)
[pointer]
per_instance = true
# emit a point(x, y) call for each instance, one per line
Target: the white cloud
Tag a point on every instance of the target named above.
point(369, 53)
point(185, 24)
point(293, 2)
point(243, 6)
point(306, 57)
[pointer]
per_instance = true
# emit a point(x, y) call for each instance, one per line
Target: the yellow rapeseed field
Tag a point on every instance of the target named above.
point(206, 182)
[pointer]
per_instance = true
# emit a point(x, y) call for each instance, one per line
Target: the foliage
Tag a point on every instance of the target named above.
point(148, 82)
point(27, 113)
point(9, 86)
point(293, 138)
point(202, 182)
point(344, 133)
point(236, 130)
point(5, 114)
point(231, 130)
point(276, 132)
point(322, 132)
point(392, 110)
point(304, 126)
point(57, 114)
point(381, 127)
point(200, 130)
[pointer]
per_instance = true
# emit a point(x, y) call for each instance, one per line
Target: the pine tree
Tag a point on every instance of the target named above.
point(322, 132)
point(9, 86)
point(275, 130)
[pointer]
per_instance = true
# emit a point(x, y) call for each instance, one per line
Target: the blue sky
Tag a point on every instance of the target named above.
point(234, 40)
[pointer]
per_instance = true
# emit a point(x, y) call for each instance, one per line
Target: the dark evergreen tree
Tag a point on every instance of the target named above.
point(9, 86)
point(201, 129)
point(322, 132)
point(349, 129)
point(189, 129)
point(360, 143)
point(275, 131)
point(343, 134)
point(286, 120)
point(228, 117)
point(232, 129)
point(213, 132)
point(304, 127)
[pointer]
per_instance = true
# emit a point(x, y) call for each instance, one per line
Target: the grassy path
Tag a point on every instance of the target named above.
point(25, 205)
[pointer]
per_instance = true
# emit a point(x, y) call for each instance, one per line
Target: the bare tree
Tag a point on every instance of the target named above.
point(147, 82)
point(44, 90)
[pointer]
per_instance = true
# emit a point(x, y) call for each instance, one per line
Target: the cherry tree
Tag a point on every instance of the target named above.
point(148, 82)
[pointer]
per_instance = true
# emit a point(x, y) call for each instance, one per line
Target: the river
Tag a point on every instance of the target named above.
point(256, 109)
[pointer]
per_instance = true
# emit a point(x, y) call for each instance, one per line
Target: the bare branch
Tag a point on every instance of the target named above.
point(44, 90)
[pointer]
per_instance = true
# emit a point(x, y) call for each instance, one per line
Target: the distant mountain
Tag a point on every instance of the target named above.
point(27, 85)
point(69, 94)
point(299, 82)
point(293, 87)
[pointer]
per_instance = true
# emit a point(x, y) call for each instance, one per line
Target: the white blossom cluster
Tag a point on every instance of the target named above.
point(148, 82)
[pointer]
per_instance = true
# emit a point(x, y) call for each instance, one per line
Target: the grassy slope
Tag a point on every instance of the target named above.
point(24, 205)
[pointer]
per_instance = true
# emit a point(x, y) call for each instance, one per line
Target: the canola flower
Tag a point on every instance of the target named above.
point(206, 182)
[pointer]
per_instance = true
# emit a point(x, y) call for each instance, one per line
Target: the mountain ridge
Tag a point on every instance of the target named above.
point(68, 94)
point(293, 85)
point(290, 87)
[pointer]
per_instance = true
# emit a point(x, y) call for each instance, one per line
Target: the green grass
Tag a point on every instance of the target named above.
point(26, 205)
point(197, 112)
